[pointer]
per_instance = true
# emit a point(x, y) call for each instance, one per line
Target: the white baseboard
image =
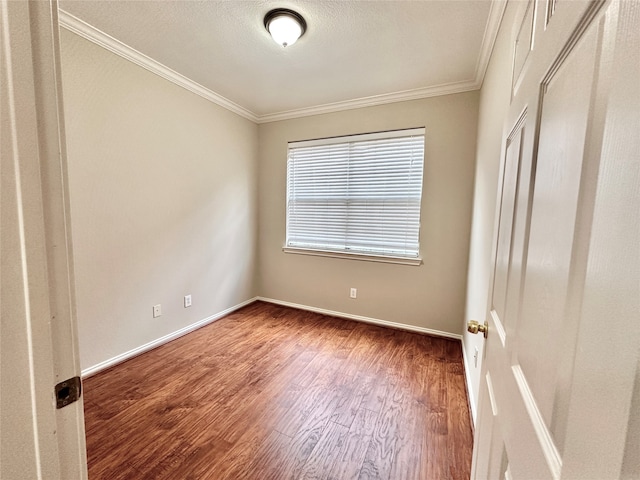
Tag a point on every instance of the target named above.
point(472, 399)
point(359, 318)
point(87, 372)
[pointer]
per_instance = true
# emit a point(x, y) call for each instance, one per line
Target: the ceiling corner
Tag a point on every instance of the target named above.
point(100, 38)
point(489, 39)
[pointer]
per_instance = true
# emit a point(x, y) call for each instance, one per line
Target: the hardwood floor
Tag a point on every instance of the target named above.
point(271, 392)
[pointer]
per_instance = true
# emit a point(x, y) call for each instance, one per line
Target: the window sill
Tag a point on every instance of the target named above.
point(354, 256)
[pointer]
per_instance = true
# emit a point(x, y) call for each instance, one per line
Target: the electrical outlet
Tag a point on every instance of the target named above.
point(475, 357)
point(187, 301)
point(157, 310)
point(353, 293)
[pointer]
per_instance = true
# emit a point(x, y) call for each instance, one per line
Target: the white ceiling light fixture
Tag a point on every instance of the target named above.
point(285, 26)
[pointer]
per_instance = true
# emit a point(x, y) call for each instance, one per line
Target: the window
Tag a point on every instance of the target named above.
point(357, 196)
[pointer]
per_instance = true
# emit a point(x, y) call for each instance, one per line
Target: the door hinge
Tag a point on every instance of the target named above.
point(68, 391)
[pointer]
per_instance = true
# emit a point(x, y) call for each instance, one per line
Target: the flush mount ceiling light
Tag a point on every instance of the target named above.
point(285, 26)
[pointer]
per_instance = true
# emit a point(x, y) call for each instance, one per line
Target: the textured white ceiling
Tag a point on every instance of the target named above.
point(351, 50)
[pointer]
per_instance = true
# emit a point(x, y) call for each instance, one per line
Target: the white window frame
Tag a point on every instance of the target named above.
point(385, 257)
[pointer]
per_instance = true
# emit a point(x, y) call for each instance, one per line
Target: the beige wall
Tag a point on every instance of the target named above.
point(429, 296)
point(495, 96)
point(163, 194)
point(164, 198)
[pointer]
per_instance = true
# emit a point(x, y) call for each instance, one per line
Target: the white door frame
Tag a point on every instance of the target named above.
point(39, 345)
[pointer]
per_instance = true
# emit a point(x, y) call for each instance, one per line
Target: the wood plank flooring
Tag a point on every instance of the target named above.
point(274, 393)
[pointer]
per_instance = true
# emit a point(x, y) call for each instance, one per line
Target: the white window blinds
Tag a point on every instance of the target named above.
point(359, 194)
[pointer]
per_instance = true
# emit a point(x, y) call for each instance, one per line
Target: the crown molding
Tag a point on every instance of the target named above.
point(496, 13)
point(436, 91)
point(91, 33)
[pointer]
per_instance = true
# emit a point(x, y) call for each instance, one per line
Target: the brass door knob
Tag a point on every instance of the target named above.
point(475, 327)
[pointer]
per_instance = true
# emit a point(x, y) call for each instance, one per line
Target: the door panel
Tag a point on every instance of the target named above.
point(505, 227)
point(492, 455)
point(523, 43)
point(565, 107)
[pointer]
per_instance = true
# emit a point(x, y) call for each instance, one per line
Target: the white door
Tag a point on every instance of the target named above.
point(38, 343)
point(557, 392)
